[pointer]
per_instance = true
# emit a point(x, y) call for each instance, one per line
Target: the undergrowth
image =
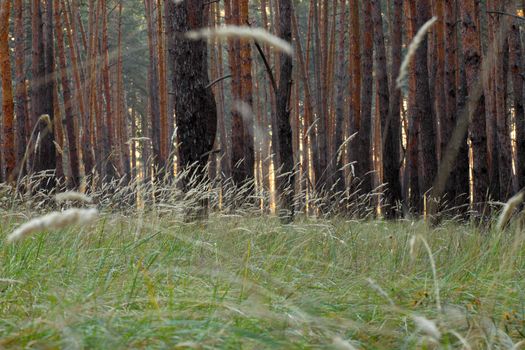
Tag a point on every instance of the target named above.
point(150, 280)
point(141, 276)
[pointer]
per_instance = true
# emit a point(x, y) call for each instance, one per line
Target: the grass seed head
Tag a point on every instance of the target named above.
point(72, 196)
point(412, 48)
point(412, 244)
point(427, 326)
point(46, 119)
point(54, 221)
point(9, 281)
point(508, 210)
point(243, 32)
point(341, 344)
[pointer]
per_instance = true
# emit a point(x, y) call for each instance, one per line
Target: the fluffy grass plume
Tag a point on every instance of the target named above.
point(243, 32)
point(54, 221)
point(138, 139)
point(9, 281)
point(427, 326)
point(412, 48)
point(341, 344)
point(72, 196)
point(508, 209)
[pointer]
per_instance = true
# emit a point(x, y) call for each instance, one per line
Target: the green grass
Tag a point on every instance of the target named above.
point(150, 281)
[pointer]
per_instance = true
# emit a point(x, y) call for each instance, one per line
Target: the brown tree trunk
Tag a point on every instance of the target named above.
point(491, 106)
point(424, 113)
point(463, 160)
point(21, 107)
point(439, 83)
point(225, 159)
point(86, 145)
point(448, 116)
point(95, 113)
point(477, 132)
point(196, 111)
point(330, 87)
point(504, 150)
point(396, 37)
point(63, 169)
point(518, 74)
point(286, 178)
point(322, 144)
point(413, 200)
point(354, 110)
point(163, 92)
point(42, 90)
point(8, 106)
point(134, 169)
point(309, 109)
point(153, 84)
point(266, 148)
point(337, 159)
point(238, 137)
point(109, 120)
point(121, 104)
point(172, 149)
point(390, 141)
point(246, 90)
point(365, 125)
point(68, 103)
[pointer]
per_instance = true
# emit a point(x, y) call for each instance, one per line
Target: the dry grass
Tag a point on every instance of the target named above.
point(243, 32)
point(412, 48)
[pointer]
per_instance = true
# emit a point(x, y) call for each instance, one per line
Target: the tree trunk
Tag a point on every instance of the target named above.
point(439, 82)
point(310, 134)
point(518, 74)
point(238, 137)
point(412, 197)
point(448, 116)
point(337, 171)
point(463, 184)
point(246, 90)
point(8, 106)
point(21, 107)
point(491, 107)
point(85, 136)
point(153, 86)
point(390, 141)
point(195, 107)
point(286, 178)
point(95, 97)
point(42, 91)
point(68, 103)
point(504, 150)
point(423, 97)
point(365, 124)
point(354, 109)
point(163, 92)
point(477, 132)
point(320, 168)
point(108, 125)
point(396, 37)
point(225, 159)
point(63, 169)
point(121, 104)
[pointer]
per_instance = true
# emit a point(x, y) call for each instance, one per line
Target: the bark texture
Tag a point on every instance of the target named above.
point(195, 107)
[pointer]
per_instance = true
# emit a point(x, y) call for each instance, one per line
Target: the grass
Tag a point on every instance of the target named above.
point(150, 281)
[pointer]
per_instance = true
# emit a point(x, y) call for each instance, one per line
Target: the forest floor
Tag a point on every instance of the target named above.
point(150, 281)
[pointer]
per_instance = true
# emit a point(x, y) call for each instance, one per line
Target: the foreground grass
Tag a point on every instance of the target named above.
point(150, 281)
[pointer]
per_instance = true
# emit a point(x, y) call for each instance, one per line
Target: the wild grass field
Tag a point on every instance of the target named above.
point(146, 279)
